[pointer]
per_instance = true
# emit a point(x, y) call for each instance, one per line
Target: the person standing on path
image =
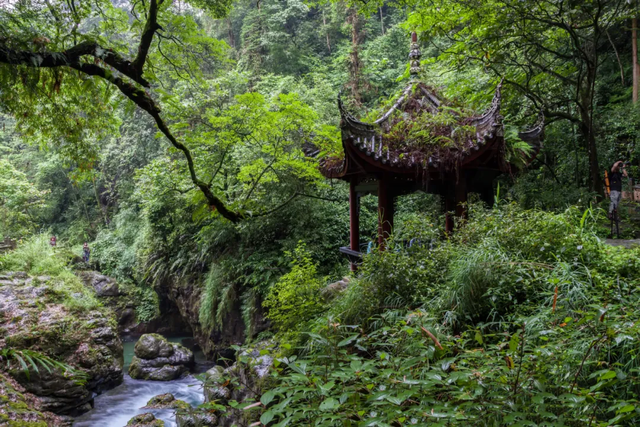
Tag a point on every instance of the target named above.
point(615, 185)
point(86, 252)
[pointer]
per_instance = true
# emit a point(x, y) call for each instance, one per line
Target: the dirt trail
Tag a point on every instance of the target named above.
point(621, 242)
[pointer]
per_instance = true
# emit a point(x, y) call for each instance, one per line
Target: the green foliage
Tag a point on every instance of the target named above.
point(218, 296)
point(295, 298)
point(147, 304)
point(28, 360)
point(525, 321)
point(36, 257)
point(20, 201)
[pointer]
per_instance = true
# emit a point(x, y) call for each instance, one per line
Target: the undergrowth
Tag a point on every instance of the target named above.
point(522, 318)
point(36, 257)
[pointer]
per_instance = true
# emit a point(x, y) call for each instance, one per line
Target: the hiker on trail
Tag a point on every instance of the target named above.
point(615, 185)
point(86, 252)
point(52, 242)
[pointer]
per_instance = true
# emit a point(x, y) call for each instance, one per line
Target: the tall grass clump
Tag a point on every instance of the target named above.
point(36, 257)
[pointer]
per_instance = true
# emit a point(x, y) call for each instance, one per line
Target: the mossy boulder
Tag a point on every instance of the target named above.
point(166, 401)
point(151, 346)
point(42, 313)
point(20, 409)
point(145, 420)
point(103, 285)
point(159, 360)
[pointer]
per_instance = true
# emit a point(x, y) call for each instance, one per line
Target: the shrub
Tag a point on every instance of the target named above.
point(35, 256)
point(527, 318)
point(295, 298)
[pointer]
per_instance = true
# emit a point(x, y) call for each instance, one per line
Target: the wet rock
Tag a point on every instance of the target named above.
point(159, 360)
point(18, 408)
point(104, 286)
point(138, 370)
point(332, 290)
point(218, 394)
point(145, 420)
point(196, 419)
point(245, 379)
point(166, 401)
point(33, 316)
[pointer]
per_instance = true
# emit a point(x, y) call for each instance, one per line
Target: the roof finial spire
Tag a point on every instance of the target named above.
point(414, 56)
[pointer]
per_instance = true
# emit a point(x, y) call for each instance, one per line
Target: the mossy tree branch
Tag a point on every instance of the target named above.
point(133, 72)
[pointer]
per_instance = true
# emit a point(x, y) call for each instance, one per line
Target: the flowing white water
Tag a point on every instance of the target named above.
point(117, 406)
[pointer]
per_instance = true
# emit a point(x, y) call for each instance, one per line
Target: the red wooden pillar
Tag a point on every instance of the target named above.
point(385, 211)
point(455, 200)
point(354, 220)
point(461, 196)
point(449, 207)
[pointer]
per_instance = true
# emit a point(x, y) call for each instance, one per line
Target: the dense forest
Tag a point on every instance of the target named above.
point(186, 142)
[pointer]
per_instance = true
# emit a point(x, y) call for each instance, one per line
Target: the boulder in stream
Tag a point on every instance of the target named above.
point(166, 401)
point(159, 360)
point(145, 420)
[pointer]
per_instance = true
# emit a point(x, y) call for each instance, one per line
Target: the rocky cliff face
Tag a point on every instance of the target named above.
point(185, 295)
point(34, 315)
point(124, 305)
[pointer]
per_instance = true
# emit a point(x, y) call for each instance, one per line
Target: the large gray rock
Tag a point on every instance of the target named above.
point(145, 420)
point(159, 360)
point(34, 314)
point(104, 286)
point(151, 346)
point(166, 401)
point(196, 419)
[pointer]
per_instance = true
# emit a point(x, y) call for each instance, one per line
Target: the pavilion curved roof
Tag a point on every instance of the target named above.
point(423, 133)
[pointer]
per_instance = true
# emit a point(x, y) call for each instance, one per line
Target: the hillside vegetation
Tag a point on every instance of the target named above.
point(181, 140)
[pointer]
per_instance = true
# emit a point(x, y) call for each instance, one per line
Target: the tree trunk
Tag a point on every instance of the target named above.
point(324, 23)
point(381, 21)
point(232, 40)
point(634, 58)
point(588, 133)
point(355, 64)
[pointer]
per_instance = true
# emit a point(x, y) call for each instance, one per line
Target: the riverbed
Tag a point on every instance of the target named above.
point(117, 406)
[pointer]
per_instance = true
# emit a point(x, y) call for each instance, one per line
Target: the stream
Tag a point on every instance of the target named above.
point(117, 406)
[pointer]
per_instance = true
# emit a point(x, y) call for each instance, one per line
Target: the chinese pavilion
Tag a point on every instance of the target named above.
point(421, 142)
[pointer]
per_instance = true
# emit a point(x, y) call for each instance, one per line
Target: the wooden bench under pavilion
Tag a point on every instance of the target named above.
point(421, 142)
